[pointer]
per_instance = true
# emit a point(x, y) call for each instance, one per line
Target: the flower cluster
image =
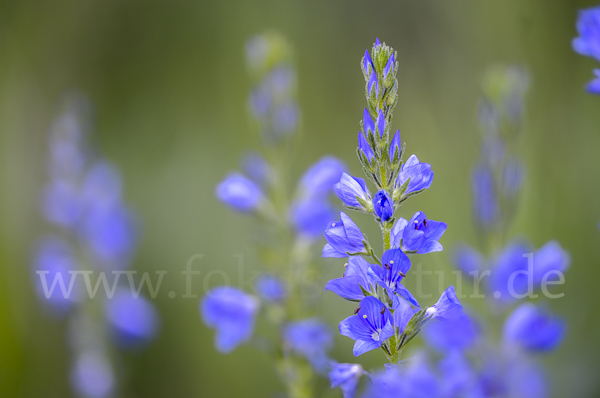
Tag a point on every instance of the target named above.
point(95, 232)
point(300, 349)
point(515, 270)
point(588, 42)
point(388, 315)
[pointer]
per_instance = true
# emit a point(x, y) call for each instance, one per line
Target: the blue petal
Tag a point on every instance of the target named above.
point(380, 123)
point(347, 287)
point(356, 328)
point(362, 346)
point(368, 122)
point(329, 251)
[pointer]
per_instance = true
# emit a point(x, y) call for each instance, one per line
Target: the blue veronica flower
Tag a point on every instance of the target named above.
point(548, 260)
point(368, 123)
point(594, 86)
point(231, 313)
point(54, 259)
point(383, 205)
point(373, 84)
point(240, 193)
point(421, 381)
point(271, 288)
point(389, 66)
point(319, 179)
point(364, 146)
point(311, 339)
point(418, 235)
point(388, 384)
point(533, 328)
point(349, 188)
point(343, 237)
point(310, 216)
point(92, 375)
point(447, 307)
point(367, 61)
point(257, 168)
point(395, 145)
point(588, 26)
point(458, 377)
point(134, 320)
point(446, 335)
point(512, 177)
point(346, 376)
point(468, 259)
point(380, 123)
point(403, 313)
point(102, 185)
point(525, 379)
point(420, 174)
point(484, 196)
point(370, 327)
point(62, 203)
point(355, 276)
point(110, 232)
point(377, 43)
point(395, 266)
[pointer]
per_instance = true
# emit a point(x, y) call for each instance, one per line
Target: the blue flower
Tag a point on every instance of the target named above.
point(62, 203)
point(92, 375)
point(350, 188)
point(102, 185)
point(549, 260)
point(383, 205)
point(285, 118)
point(458, 377)
point(418, 235)
point(311, 339)
point(271, 288)
point(594, 86)
point(588, 26)
point(448, 307)
point(420, 175)
point(446, 335)
point(257, 168)
point(403, 313)
point(363, 145)
point(319, 179)
point(395, 266)
point(370, 327)
point(388, 384)
point(346, 376)
point(512, 177)
point(343, 238)
point(380, 123)
point(367, 61)
point(377, 43)
point(240, 193)
point(373, 84)
point(231, 313)
point(310, 216)
point(389, 66)
point(395, 145)
point(468, 259)
point(533, 329)
point(368, 123)
point(134, 320)
point(355, 276)
point(484, 196)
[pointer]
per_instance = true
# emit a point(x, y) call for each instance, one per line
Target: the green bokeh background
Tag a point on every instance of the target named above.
point(169, 84)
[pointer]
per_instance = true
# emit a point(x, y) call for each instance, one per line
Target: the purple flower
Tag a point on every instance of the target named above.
point(365, 148)
point(420, 175)
point(418, 235)
point(320, 178)
point(310, 216)
point(346, 376)
point(343, 238)
point(533, 329)
point(356, 278)
point(395, 266)
point(231, 313)
point(383, 205)
point(370, 327)
point(448, 307)
point(271, 288)
point(240, 193)
point(350, 188)
point(311, 339)
point(134, 320)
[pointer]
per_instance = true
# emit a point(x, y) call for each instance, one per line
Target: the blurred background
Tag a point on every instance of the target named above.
point(169, 85)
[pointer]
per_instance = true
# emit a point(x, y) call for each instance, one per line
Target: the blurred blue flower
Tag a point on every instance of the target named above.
point(134, 320)
point(320, 178)
point(231, 313)
point(92, 375)
point(467, 259)
point(420, 175)
point(534, 329)
point(363, 145)
point(239, 192)
point(257, 168)
point(549, 260)
point(370, 327)
point(594, 86)
point(260, 101)
point(62, 203)
point(484, 196)
point(388, 384)
point(419, 234)
point(395, 265)
point(446, 335)
point(310, 338)
point(383, 205)
point(102, 185)
point(512, 177)
point(349, 188)
point(447, 307)
point(271, 288)
point(346, 376)
point(355, 276)
point(310, 216)
point(588, 26)
point(285, 118)
point(458, 379)
point(343, 238)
